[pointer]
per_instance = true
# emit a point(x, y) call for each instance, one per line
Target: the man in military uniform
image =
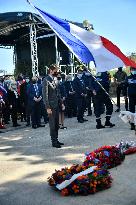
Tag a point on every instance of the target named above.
point(119, 78)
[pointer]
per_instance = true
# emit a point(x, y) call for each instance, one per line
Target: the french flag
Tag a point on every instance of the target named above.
point(87, 46)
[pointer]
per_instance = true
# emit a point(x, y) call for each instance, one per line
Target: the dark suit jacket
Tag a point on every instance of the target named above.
point(13, 100)
point(62, 89)
point(23, 92)
point(79, 87)
point(51, 94)
point(31, 93)
point(69, 87)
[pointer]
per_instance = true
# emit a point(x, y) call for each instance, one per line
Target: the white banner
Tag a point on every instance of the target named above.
point(75, 176)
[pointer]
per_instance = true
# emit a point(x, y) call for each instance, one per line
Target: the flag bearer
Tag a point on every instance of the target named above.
point(100, 98)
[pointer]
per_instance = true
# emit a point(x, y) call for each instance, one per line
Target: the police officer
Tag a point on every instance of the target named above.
point(80, 93)
point(104, 79)
point(86, 78)
point(71, 108)
point(101, 98)
point(119, 78)
point(131, 85)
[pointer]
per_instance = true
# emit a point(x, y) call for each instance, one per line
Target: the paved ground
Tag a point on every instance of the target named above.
point(27, 160)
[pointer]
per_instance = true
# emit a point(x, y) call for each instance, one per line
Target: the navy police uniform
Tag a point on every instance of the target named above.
point(131, 91)
point(86, 78)
point(101, 98)
point(131, 84)
point(80, 93)
point(70, 99)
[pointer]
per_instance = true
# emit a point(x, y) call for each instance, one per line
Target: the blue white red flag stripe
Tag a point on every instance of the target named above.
point(87, 46)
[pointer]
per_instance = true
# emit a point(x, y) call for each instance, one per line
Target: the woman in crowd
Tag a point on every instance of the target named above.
point(13, 99)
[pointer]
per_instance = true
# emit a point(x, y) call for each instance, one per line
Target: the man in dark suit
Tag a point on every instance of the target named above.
point(51, 98)
point(35, 100)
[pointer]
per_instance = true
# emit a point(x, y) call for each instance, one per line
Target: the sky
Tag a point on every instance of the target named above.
point(113, 19)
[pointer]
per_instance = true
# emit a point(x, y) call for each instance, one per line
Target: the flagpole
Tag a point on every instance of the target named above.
point(56, 50)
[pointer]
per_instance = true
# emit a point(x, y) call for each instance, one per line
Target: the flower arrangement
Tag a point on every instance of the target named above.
point(82, 184)
point(92, 176)
point(127, 147)
point(105, 157)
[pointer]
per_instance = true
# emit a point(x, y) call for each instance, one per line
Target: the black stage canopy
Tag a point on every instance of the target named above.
point(14, 26)
point(15, 31)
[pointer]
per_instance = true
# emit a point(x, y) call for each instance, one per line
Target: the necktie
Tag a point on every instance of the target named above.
point(71, 86)
point(36, 90)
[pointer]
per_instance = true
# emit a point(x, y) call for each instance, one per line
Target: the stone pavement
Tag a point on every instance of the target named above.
point(27, 160)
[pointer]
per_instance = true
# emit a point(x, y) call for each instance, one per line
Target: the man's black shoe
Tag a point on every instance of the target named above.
point(109, 124)
point(40, 125)
point(63, 127)
point(61, 143)
point(81, 121)
point(100, 126)
point(57, 145)
point(34, 126)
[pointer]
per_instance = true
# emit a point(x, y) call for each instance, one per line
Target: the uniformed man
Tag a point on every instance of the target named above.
point(120, 77)
point(101, 98)
point(131, 85)
point(71, 108)
point(86, 78)
point(80, 93)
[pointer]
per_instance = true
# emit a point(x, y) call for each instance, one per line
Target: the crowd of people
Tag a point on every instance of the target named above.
point(28, 99)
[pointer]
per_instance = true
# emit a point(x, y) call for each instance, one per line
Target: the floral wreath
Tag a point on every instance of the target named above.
point(92, 176)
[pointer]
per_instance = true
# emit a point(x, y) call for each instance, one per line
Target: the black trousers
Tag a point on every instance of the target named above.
point(6, 113)
point(88, 102)
point(23, 111)
point(102, 99)
point(36, 113)
point(71, 107)
point(132, 103)
point(28, 113)
point(14, 112)
point(80, 108)
point(121, 89)
point(44, 112)
point(54, 125)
